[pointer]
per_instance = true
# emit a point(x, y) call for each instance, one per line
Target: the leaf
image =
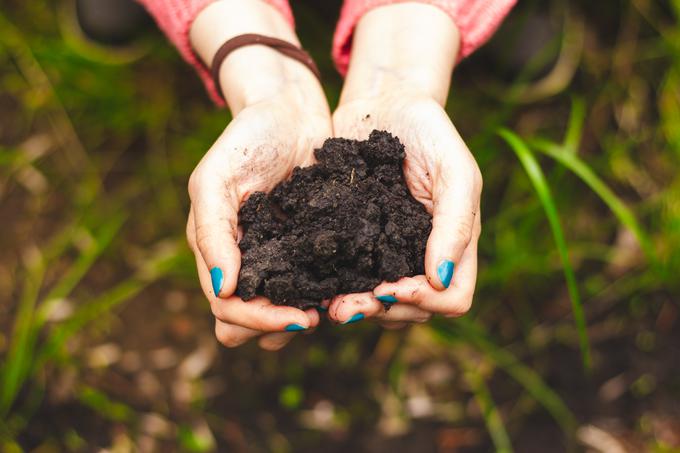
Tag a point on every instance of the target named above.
point(492, 417)
point(618, 207)
point(464, 329)
point(540, 184)
point(577, 117)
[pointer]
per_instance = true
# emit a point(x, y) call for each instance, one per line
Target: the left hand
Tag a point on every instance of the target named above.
point(442, 174)
point(398, 80)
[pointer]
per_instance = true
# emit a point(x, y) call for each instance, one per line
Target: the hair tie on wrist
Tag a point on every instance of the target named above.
point(284, 47)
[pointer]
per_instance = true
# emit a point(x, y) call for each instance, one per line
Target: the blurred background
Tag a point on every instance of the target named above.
point(573, 342)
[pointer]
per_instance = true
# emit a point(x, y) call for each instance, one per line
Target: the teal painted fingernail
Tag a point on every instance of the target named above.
point(387, 298)
point(321, 308)
point(445, 272)
point(294, 328)
point(217, 279)
point(356, 318)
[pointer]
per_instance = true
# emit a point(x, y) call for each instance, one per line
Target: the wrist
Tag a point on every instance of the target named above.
point(407, 48)
point(252, 73)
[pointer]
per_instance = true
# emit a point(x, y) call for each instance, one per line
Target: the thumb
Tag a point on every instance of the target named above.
point(214, 222)
point(453, 215)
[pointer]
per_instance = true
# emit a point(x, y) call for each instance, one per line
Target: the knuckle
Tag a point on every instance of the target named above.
point(227, 336)
point(202, 237)
point(463, 232)
point(191, 236)
point(461, 306)
point(195, 179)
point(423, 318)
point(477, 177)
point(477, 232)
point(272, 345)
point(415, 294)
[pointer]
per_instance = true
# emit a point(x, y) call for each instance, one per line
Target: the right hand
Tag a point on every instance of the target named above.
point(280, 116)
point(259, 148)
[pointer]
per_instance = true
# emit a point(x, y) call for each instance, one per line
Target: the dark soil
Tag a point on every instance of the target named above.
point(340, 226)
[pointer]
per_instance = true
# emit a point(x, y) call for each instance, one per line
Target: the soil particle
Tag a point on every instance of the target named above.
point(340, 226)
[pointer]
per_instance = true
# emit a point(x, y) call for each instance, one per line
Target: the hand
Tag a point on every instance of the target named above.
point(402, 58)
point(280, 116)
point(442, 174)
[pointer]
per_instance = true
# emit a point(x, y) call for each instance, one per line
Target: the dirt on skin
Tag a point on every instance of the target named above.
point(340, 226)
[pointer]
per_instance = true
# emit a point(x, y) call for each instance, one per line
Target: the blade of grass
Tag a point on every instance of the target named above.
point(30, 321)
point(100, 306)
point(84, 262)
point(577, 117)
point(90, 310)
point(464, 329)
point(540, 184)
point(492, 417)
point(101, 403)
point(17, 362)
point(574, 163)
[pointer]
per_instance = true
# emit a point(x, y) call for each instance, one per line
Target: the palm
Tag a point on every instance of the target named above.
point(262, 146)
point(421, 125)
point(259, 148)
point(442, 174)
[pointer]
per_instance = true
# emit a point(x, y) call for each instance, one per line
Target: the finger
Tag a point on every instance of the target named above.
point(400, 313)
point(453, 217)
point(260, 314)
point(215, 220)
point(351, 308)
point(275, 341)
point(232, 336)
point(393, 325)
point(257, 314)
point(454, 301)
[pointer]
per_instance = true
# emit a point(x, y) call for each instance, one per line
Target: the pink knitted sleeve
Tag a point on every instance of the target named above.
point(476, 20)
point(174, 17)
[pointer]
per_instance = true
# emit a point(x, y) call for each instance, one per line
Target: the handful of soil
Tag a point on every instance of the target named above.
point(340, 226)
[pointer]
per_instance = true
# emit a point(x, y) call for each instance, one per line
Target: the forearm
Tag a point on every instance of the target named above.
point(254, 73)
point(405, 47)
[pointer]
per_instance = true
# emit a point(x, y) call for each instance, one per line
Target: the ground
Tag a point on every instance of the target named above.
point(107, 342)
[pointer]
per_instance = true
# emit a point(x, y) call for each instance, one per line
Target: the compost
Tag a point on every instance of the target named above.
point(340, 226)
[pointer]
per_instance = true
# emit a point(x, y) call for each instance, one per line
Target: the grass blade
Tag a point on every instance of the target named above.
point(156, 267)
point(80, 267)
point(583, 171)
point(464, 329)
point(577, 117)
point(540, 184)
point(492, 417)
point(18, 360)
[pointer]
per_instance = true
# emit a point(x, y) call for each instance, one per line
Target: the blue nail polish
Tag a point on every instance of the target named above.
point(356, 318)
point(445, 272)
point(217, 279)
point(294, 328)
point(321, 309)
point(387, 298)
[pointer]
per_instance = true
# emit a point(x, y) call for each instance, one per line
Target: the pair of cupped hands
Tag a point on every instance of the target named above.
point(275, 133)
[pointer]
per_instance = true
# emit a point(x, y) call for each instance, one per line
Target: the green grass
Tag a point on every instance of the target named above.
point(576, 169)
point(543, 192)
point(492, 418)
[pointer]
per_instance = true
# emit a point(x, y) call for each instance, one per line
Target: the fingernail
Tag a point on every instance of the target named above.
point(356, 318)
point(321, 308)
point(294, 328)
point(387, 298)
point(217, 279)
point(445, 272)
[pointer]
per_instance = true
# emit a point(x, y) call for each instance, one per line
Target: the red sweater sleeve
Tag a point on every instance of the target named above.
point(174, 18)
point(476, 20)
